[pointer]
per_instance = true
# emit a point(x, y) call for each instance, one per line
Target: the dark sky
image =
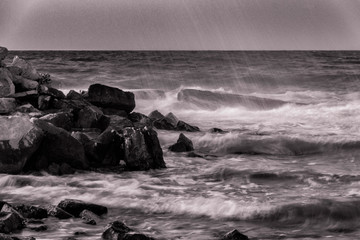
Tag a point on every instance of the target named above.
point(180, 24)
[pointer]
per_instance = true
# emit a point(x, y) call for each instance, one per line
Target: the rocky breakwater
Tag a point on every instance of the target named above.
point(42, 129)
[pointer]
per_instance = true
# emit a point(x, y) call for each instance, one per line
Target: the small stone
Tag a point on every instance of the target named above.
point(89, 217)
point(234, 235)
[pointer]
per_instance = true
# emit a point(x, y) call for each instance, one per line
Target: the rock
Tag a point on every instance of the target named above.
point(10, 222)
point(62, 120)
point(7, 105)
point(156, 115)
point(3, 53)
point(24, 84)
point(119, 123)
point(109, 97)
point(140, 120)
point(183, 126)
point(114, 111)
point(119, 231)
point(171, 118)
point(54, 169)
point(58, 212)
point(58, 147)
point(27, 108)
point(72, 95)
point(66, 169)
point(28, 71)
point(234, 235)
point(29, 211)
point(164, 123)
point(217, 130)
point(8, 237)
point(37, 228)
point(183, 144)
point(75, 207)
point(142, 149)
point(19, 139)
point(44, 102)
point(89, 217)
point(53, 92)
point(7, 87)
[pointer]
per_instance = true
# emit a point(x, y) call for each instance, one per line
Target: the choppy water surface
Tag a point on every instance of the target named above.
point(287, 167)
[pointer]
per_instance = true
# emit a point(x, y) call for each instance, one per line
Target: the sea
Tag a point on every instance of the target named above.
point(286, 166)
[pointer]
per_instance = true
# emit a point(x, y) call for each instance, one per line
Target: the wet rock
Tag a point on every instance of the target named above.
point(29, 211)
point(54, 169)
point(62, 120)
point(142, 149)
point(7, 105)
point(119, 231)
point(8, 237)
point(10, 222)
point(20, 138)
point(49, 91)
point(58, 147)
point(27, 108)
point(75, 207)
point(89, 217)
point(156, 115)
point(44, 102)
point(73, 95)
point(217, 130)
point(164, 124)
point(58, 212)
point(7, 87)
point(119, 123)
point(24, 84)
point(27, 70)
point(110, 97)
point(66, 169)
point(37, 228)
point(183, 126)
point(183, 144)
point(114, 111)
point(172, 118)
point(234, 235)
point(3, 53)
point(140, 120)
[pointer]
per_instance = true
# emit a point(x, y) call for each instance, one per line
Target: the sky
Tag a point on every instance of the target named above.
point(180, 24)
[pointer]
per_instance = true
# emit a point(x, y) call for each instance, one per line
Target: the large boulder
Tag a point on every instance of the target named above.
point(7, 87)
point(183, 144)
point(58, 147)
point(75, 207)
point(119, 123)
point(19, 139)
point(110, 97)
point(7, 105)
point(61, 119)
point(27, 70)
point(142, 150)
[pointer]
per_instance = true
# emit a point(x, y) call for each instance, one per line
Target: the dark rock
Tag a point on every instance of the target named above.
point(29, 211)
point(89, 217)
point(114, 111)
point(10, 222)
point(234, 235)
point(119, 231)
point(58, 147)
point(37, 228)
point(61, 119)
point(156, 115)
point(72, 95)
point(172, 119)
point(183, 126)
point(58, 212)
point(140, 119)
point(183, 144)
point(119, 123)
point(54, 169)
point(163, 123)
point(20, 138)
point(7, 105)
point(27, 70)
point(7, 87)
point(27, 108)
point(8, 237)
point(109, 97)
point(142, 149)
point(44, 102)
point(3, 53)
point(53, 92)
point(66, 169)
point(24, 84)
point(75, 207)
point(216, 130)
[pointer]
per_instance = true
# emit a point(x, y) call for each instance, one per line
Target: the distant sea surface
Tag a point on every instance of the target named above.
point(287, 166)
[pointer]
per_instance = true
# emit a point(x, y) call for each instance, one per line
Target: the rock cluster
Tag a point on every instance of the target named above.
point(42, 129)
point(170, 122)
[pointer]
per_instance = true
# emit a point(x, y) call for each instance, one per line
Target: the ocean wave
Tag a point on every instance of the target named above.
point(214, 100)
point(238, 143)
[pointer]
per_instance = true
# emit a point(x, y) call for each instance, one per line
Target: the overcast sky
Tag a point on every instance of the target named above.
point(180, 24)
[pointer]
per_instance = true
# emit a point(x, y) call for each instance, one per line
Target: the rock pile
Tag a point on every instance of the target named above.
point(42, 129)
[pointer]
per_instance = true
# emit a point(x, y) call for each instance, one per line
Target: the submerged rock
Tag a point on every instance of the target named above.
point(20, 138)
point(7, 87)
point(110, 97)
point(75, 207)
point(119, 231)
point(234, 235)
point(183, 144)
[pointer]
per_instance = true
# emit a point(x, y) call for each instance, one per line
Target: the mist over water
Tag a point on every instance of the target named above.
point(287, 164)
